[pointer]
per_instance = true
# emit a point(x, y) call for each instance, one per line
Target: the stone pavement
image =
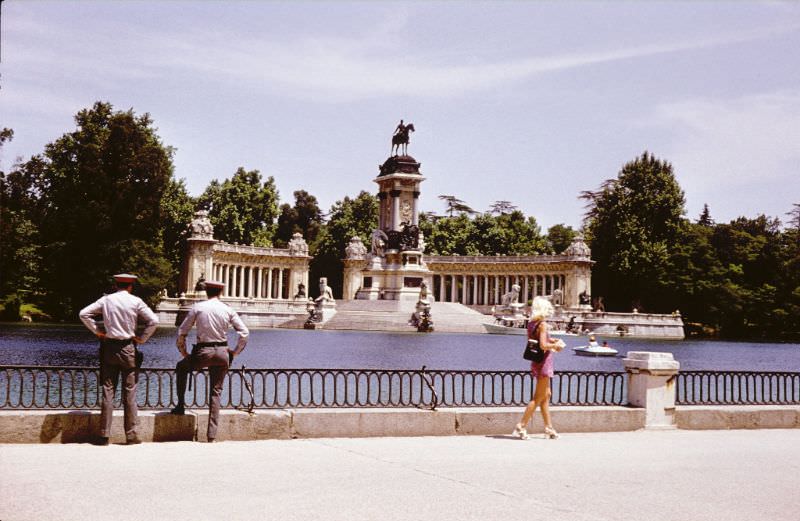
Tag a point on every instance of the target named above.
point(643, 475)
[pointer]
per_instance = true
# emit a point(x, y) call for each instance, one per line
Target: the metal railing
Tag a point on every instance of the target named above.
point(38, 387)
point(737, 388)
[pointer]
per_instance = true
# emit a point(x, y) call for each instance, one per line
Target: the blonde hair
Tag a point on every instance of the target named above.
point(541, 308)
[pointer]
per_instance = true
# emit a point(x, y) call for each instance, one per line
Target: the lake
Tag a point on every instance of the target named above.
point(73, 345)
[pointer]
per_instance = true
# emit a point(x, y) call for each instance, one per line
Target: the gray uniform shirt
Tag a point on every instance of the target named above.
point(120, 311)
point(213, 318)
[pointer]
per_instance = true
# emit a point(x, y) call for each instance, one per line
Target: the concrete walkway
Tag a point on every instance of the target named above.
point(643, 475)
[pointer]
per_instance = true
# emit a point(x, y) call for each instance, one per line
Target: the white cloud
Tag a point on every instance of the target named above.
point(345, 69)
point(721, 143)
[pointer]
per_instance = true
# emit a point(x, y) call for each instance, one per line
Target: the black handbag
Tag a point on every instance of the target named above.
point(533, 351)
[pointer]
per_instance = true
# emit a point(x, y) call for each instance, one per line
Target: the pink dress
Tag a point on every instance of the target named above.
point(545, 367)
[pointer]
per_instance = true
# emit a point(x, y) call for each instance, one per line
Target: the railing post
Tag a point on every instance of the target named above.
point(651, 384)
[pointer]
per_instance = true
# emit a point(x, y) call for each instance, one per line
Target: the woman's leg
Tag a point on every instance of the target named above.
point(528, 414)
point(542, 398)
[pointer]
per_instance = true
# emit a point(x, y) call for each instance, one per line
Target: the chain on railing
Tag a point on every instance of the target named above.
point(32, 387)
point(737, 388)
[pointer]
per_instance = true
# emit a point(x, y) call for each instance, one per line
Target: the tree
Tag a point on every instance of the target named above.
point(242, 209)
point(100, 188)
point(177, 211)
point(501, 207)
point(19, 235)
point(305, 218)
point(633, 224)
point(348, 218)
point(455, 205)
point(705, 217)
point(560, 236)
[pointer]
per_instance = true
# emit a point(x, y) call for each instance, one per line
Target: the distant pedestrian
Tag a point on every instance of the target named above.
point(538, 329)
point(213, 318)
point(118, 354)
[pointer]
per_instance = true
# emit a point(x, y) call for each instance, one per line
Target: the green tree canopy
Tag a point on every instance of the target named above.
point(348, 218)
point(242, 209)
point(633, 224)
point(100, 189)
point(559, 237)
point(305, 218)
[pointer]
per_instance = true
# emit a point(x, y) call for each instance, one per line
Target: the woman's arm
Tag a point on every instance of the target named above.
point(545, 342)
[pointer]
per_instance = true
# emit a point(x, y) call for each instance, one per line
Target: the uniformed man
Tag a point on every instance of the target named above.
point(120, 311)
point(213, 318)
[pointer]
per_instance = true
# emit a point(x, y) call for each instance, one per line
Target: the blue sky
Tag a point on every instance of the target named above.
point(530, 102)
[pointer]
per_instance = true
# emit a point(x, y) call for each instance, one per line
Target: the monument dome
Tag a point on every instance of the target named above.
point(399, 165)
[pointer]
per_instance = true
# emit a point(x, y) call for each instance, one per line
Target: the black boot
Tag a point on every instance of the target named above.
point(179, 409)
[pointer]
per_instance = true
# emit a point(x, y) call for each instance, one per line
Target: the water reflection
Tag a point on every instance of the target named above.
point(278, 348)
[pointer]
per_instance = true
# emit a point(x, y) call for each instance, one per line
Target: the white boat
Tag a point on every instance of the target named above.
point(517, 326)
point(594, 351)
point(507, 326)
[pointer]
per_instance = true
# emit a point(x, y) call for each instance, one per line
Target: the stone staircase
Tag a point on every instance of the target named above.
point(390, 315)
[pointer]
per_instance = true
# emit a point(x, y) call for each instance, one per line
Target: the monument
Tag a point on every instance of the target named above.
point(393, 268)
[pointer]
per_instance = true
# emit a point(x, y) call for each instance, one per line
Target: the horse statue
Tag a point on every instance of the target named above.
point(400, 138)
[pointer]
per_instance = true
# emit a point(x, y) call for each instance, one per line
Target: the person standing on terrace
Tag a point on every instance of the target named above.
point(118, 354)
point(542, 371)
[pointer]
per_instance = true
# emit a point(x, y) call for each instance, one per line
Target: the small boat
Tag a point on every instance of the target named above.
point(562, 332)
point(594, 351)
point(507, 326)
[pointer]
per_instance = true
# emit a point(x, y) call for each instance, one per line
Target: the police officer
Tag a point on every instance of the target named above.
point(120, 311)
point(213, 318)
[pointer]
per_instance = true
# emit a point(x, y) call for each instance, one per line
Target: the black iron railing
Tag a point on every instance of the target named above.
point(737, 388)
point(35, 387)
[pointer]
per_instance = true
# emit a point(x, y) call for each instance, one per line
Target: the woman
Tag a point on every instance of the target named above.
point(542, 371)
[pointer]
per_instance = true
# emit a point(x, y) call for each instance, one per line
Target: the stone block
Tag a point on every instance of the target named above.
point(362, 423)
point(738, 417)
point(82, 426)
point(242, 426)
point(498, 421)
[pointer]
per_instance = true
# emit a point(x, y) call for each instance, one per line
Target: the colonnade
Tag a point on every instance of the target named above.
point(253, 281)
point(488, 290)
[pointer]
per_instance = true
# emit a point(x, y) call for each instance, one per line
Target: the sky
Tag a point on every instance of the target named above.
point(527, 102)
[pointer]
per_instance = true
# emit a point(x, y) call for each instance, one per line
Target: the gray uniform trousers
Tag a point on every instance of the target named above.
point(118, 356)
point(216, 360)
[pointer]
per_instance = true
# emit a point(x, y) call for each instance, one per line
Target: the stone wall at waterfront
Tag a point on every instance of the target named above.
point(80, 426)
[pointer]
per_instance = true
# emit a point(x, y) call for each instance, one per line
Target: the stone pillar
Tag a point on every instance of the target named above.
point(496, 298)
point(269, 283)
point(414, 211)
point(442, 289)
point(485, 290)
point(395, 209)
point(651, 384)
point(259, 282)
point(474, 290)
point(280, 283)
point(453, 287)
point(524, 299)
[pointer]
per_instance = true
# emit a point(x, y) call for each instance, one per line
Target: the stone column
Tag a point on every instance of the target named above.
point(269, 282)
point(485, 290)
point(453, 288)
point(496, 298)
point(280, 283)
point(474, 290)
point(259, 282)
point(381, 220)
point(524, 299)
point(395, 209)
point(414, 214)
point(651, 384)
point(441, 289)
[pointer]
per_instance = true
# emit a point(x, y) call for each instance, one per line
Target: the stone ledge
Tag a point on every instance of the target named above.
point(718, 417)
point(155, 426)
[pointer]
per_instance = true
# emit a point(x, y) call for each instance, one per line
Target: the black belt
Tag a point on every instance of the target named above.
point(118, 341)
point(210, 344)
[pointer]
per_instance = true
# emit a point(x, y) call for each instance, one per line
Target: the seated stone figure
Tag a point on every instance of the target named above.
point(325, 292)
point(421, 318)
